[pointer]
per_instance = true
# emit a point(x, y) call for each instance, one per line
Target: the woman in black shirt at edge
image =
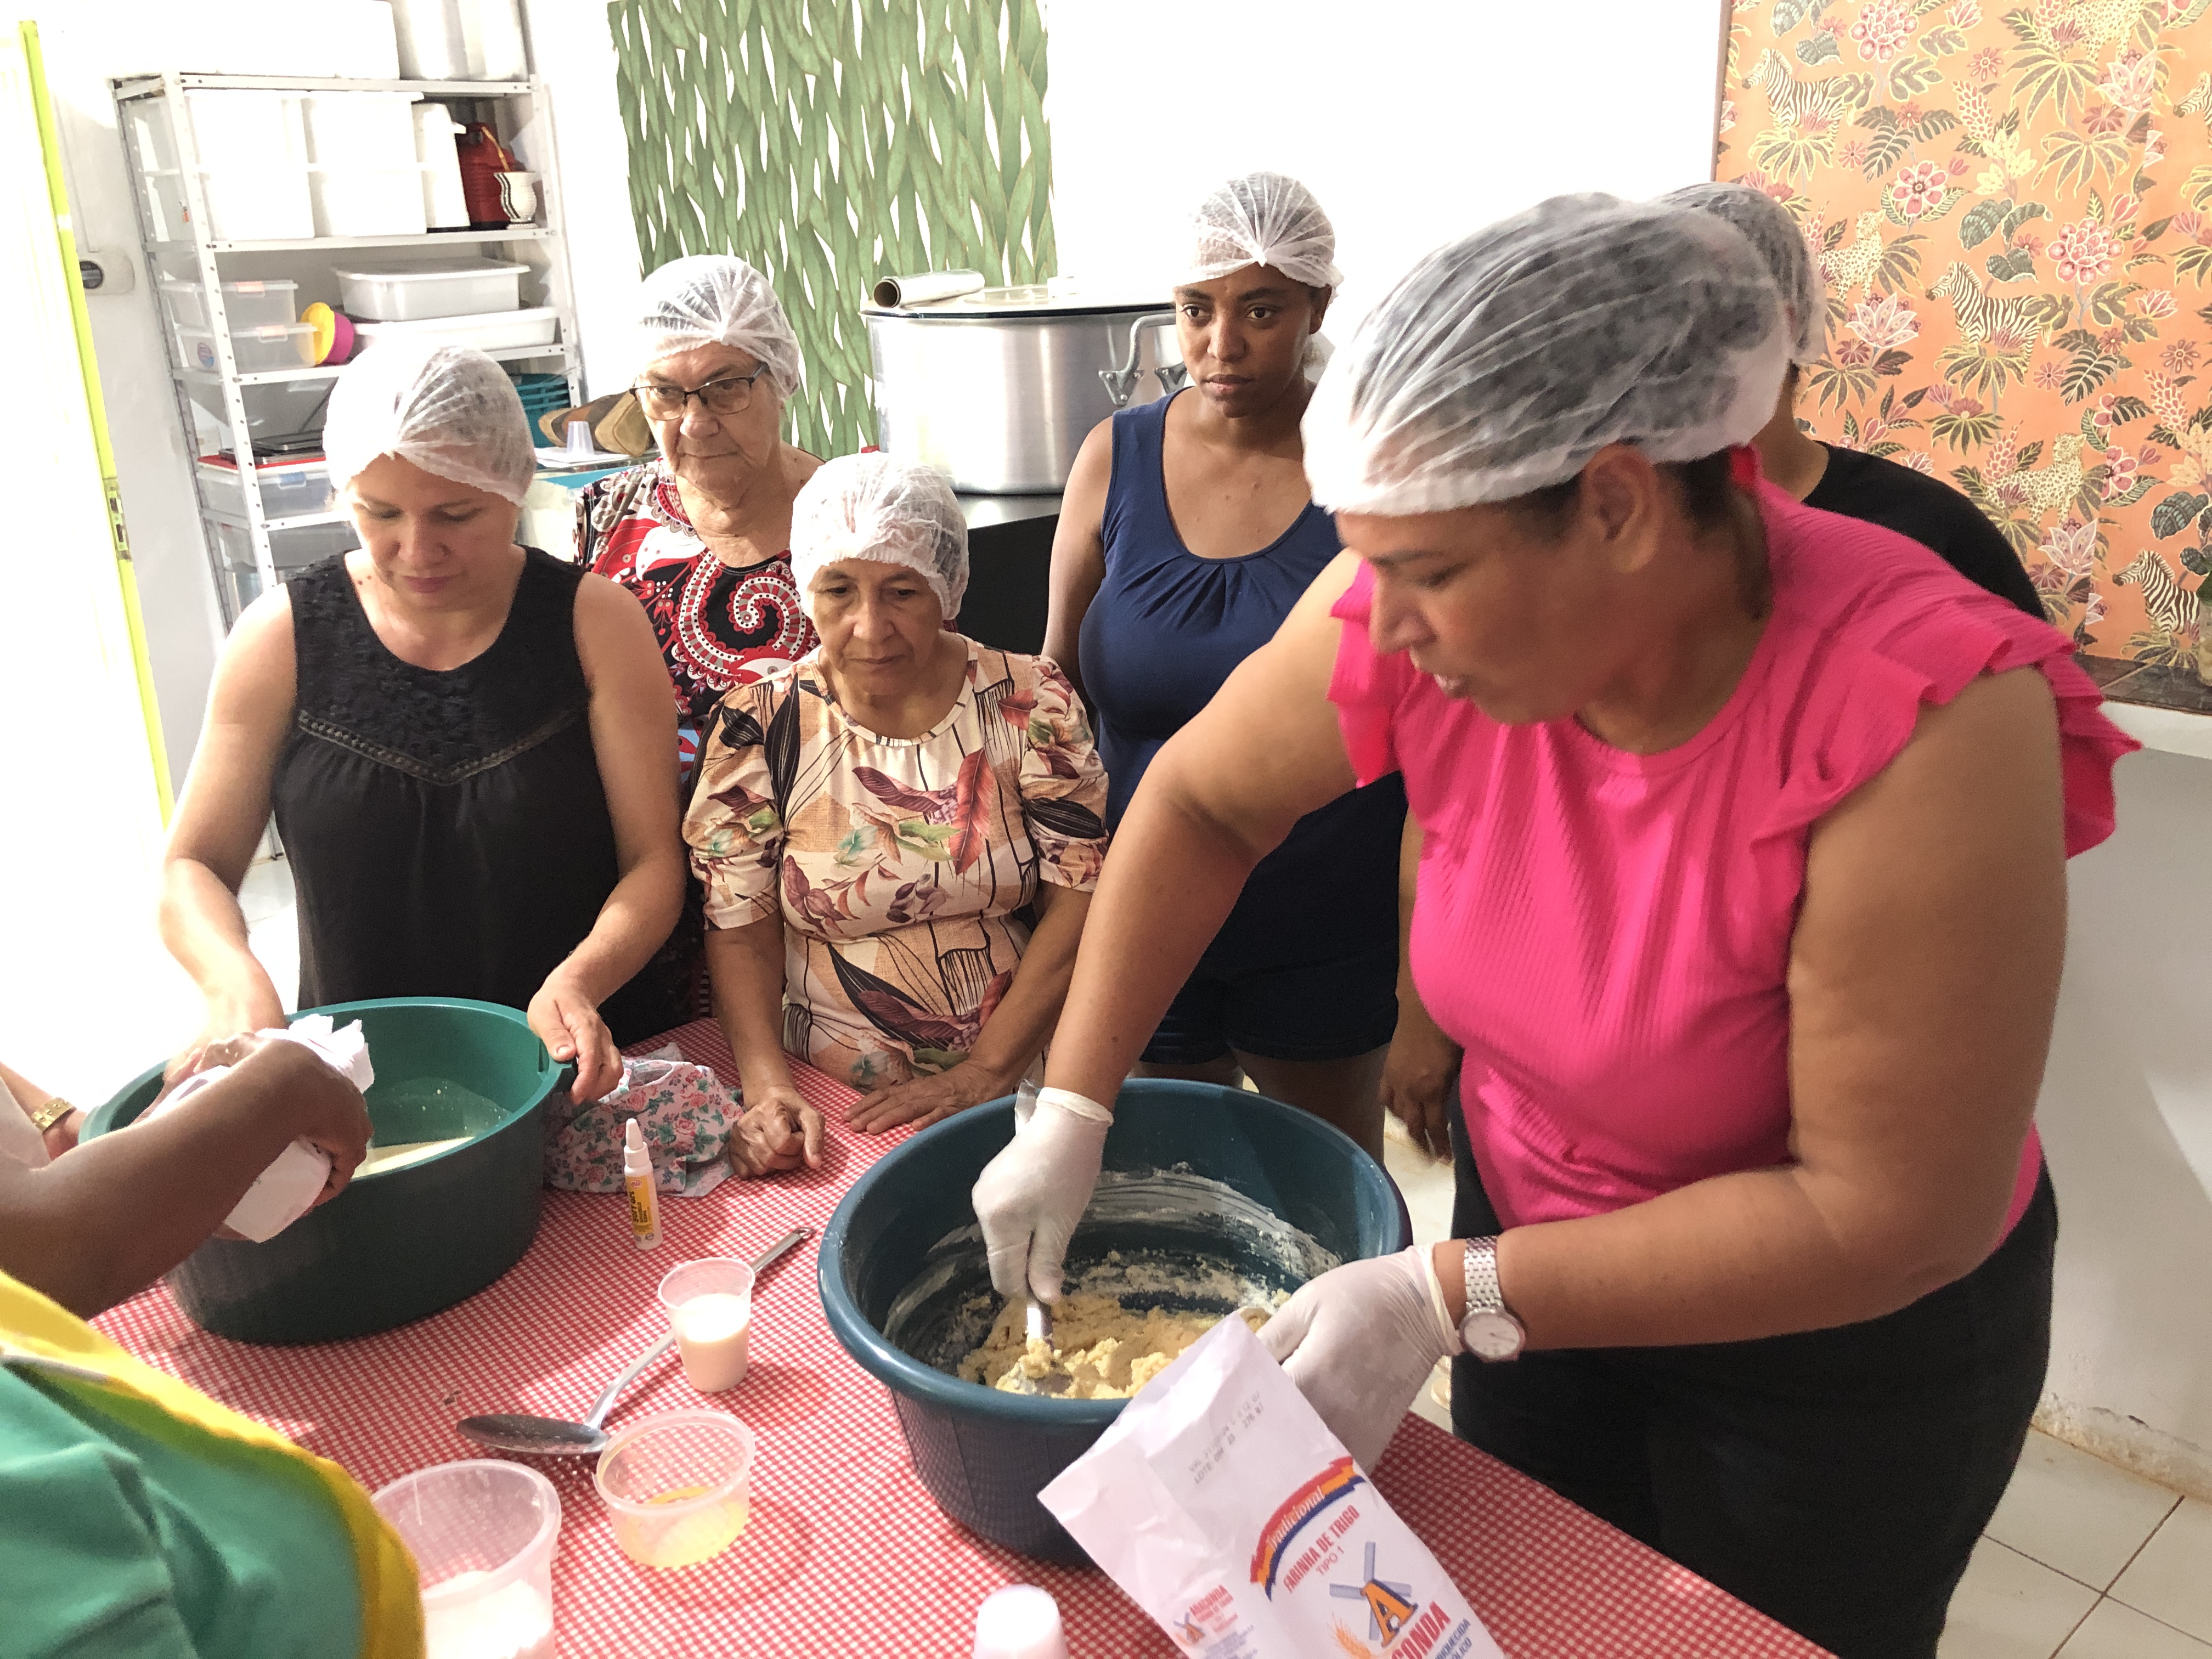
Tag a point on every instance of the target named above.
point(1423, 1063)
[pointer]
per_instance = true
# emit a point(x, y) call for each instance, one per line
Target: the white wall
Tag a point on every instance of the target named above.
point(2126, 1112)
point(1413, 121)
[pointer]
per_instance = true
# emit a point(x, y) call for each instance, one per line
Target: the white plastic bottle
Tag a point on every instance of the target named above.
point(637, 1182)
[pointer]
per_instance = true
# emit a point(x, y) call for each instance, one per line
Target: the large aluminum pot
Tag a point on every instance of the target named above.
point(999, 388)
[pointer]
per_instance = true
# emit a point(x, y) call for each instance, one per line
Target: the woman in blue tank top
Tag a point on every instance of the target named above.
point(1186, 535)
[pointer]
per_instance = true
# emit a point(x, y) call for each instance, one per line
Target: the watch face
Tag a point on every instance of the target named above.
point(1492, 1335)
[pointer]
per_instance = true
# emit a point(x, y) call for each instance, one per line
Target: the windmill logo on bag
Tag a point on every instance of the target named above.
point(1389, 1605)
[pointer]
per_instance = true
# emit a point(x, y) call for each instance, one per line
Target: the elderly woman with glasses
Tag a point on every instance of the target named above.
point(898, 835)
point(699, 533)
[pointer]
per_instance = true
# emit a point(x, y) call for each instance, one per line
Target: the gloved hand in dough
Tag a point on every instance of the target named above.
point(1029, 1197)
point(1360, 1340)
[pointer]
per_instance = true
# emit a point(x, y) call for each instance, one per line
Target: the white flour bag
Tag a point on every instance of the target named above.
point(1224, 1507)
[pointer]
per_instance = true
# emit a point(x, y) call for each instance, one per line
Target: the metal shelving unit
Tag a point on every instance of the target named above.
point(518, 111)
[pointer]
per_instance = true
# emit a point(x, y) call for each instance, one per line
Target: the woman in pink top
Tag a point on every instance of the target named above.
point(1743, 890)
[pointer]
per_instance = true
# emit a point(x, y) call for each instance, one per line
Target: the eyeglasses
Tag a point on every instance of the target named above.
point(731, 395)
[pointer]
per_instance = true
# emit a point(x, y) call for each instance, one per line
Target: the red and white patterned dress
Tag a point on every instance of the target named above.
point(719, 626)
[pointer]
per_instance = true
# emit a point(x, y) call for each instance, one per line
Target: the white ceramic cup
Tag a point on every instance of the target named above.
point(518, 195)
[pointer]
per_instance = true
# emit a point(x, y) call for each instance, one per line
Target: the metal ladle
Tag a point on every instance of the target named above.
point(551, 1436)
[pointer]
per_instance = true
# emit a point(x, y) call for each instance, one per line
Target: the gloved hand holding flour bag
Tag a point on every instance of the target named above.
point(1221, 1503)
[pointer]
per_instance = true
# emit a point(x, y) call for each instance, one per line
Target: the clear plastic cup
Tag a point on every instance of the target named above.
point(482, 1535)
point(710, 1303)
point(1019, 1622)
point(677, 1487)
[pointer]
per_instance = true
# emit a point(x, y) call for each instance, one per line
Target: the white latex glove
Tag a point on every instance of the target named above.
point(1360, 1340)
point(1030, 1196)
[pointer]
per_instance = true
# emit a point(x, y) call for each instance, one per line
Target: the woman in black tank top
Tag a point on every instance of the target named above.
point(468, 746)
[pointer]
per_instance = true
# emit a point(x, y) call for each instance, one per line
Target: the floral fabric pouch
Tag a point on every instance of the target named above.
point(685, 1112)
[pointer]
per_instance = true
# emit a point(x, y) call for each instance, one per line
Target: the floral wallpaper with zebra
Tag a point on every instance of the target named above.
point(2013, 206)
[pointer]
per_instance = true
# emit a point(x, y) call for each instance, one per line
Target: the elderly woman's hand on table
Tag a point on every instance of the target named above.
point(923, 1101)
point(779, 1131)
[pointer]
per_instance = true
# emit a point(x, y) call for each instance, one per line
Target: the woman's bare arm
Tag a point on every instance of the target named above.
point(1923, 980)
point(120, 1210)
point(219, 818)
point(1078, 551)
point(745, 966)
point(634, 739)
point(1217, 797)
point(1423, 1063)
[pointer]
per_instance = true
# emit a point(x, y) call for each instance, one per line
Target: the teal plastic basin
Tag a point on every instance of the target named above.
point(983, 1454)
point(393, 1247)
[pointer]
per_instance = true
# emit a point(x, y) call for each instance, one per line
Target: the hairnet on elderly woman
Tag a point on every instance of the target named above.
point(450, 409)
point(1503, 362)
point(875, 507)
point(708, 298)
point(1767, 226)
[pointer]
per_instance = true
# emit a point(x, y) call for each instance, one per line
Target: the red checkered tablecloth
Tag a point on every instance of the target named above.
point(845, 1552)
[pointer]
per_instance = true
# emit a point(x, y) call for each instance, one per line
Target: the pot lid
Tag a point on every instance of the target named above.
point(1054, 299)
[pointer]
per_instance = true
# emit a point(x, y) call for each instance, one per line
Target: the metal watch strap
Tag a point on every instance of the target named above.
point(1483, 1291)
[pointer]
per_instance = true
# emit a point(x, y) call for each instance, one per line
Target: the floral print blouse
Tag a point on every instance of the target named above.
point(901, 867)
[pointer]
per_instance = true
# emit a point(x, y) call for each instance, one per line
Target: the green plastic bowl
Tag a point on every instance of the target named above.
point(399, 1245)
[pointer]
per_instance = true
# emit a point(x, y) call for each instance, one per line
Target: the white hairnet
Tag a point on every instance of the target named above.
point(1767, 226)
point(1262, 219)
point(1502, 363)
point(709, 299)
point(448, 408)
point(873, 506)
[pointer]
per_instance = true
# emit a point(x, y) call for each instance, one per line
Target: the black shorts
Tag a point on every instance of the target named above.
point(1330, 1010)
point(1834, 1480)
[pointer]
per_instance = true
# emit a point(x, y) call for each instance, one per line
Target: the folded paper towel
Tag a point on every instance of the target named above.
point(287, 1190)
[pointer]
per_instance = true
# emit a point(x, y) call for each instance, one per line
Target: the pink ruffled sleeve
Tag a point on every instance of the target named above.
point(1927, 654)
point(1365, 687)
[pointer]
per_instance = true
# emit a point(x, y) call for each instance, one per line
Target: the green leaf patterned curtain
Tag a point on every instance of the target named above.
point(830, 143)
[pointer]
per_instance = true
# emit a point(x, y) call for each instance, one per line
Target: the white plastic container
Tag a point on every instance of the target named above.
point(288, 488)
point(252, 165)
point(486, 330)
point(245, 304)
point(445, 203)
point(362, 40)
point(270, 346)
point(432, 47)
point(360, 129)
point(415, 290)
point(491, 36)
point(482, 1535)
point(368, 201)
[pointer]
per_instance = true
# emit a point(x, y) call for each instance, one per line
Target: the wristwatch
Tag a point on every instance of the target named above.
point(1488, 1328)
point(43, 1118)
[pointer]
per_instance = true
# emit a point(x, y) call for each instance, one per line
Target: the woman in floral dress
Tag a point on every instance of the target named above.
point(898, 835)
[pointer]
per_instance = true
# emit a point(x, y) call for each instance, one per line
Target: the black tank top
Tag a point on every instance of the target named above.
point(447, 830)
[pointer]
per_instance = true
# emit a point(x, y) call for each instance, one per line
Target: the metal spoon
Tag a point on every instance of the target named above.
point(1036, 1327)
point(549, 1436)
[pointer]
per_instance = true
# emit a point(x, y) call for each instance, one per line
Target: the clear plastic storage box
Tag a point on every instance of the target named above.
point(272, 345)
point(288, 488)
point(291, 550)
point(245, 305)
point(411, 290)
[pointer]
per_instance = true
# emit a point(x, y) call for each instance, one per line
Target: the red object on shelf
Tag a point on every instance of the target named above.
point(845, 1552)
point(484, 158)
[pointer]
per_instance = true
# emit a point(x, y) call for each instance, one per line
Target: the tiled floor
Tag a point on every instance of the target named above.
point(2081, 1560)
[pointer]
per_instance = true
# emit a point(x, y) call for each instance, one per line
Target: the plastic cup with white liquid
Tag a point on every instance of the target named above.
point(1019, 1622)
point(710, 1303)
point(482, 1535)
